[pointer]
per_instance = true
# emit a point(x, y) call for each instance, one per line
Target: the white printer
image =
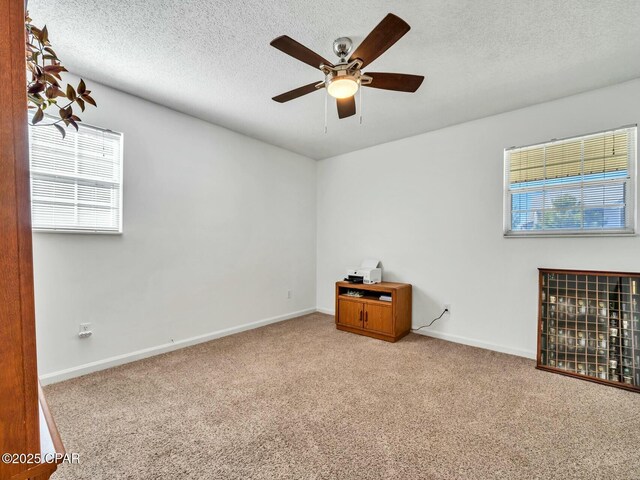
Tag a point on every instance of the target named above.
point(368, 272)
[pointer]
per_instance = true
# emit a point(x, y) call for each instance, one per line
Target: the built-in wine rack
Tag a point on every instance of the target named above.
point(589, 326)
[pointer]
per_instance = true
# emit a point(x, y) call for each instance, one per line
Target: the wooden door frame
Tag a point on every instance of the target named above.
point(19, 409)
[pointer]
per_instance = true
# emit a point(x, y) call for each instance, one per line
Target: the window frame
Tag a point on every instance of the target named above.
point(631, 187)
point(72, 178)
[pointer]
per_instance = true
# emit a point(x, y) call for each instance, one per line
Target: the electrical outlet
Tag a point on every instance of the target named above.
point(289, 294)
point(85, 330)
point(447, 307)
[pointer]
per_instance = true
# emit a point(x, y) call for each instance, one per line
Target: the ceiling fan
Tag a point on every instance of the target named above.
point(343, 80)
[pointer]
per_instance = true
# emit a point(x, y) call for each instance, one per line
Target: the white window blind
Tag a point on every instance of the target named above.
point(76, 181)
point(576, 186)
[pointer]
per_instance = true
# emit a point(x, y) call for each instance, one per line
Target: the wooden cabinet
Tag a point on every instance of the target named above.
point(367, 315)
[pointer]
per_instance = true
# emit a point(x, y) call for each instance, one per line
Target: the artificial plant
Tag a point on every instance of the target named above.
point(44, 90)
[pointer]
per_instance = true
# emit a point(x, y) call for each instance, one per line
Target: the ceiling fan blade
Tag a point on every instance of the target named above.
point(297, 92)
point(289, 46)
point(401, 82)
point(346, 107)
point(387, 32)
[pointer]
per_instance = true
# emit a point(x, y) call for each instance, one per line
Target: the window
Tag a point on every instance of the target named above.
point(76, 182)
point(577, 186)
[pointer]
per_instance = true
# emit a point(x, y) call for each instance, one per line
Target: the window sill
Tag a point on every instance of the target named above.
point(82, 232)
point(569, 234)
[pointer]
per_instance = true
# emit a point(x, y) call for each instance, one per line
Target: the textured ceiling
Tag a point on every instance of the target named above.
point(212, 59)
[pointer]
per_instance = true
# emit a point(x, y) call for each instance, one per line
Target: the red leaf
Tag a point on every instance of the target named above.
point(60, 129)
point(39, 115)
point(71, 93)
point(36, 32)
point(65, 113)
point(81, 87)
point(87, 98)
point(35, 88)
point(51, 79)
point(57, 92)
point(57, 68)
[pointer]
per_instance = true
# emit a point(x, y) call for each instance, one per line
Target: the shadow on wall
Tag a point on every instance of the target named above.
point(424, 307)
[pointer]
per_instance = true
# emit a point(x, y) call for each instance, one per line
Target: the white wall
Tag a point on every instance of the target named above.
point(430, 207)
point(217, 228)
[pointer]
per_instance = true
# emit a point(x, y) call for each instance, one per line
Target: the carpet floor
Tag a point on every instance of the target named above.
point(301, 400)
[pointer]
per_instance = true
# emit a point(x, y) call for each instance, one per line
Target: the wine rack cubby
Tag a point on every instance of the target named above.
point(589, 326)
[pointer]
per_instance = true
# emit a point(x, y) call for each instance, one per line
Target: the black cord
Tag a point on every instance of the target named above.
point(432, 322)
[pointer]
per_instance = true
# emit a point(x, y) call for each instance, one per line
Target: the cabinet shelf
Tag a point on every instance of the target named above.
point(366, 299)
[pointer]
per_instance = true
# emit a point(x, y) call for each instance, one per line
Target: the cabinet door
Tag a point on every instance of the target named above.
point(350, 313)
point(378, 318)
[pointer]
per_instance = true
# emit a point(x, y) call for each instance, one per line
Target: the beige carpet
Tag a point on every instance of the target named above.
point(300, 400)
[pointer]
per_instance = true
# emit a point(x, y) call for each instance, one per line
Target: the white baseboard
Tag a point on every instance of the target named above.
point(103, 364)
point(464, 340)
point(328, 311)
point(477, 343)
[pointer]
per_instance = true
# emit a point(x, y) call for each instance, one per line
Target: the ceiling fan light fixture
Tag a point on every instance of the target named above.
point(344, 79)
point(342, 86)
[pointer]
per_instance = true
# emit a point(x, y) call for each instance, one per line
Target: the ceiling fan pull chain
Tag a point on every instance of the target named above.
point(360, 94)
point(326, 99)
